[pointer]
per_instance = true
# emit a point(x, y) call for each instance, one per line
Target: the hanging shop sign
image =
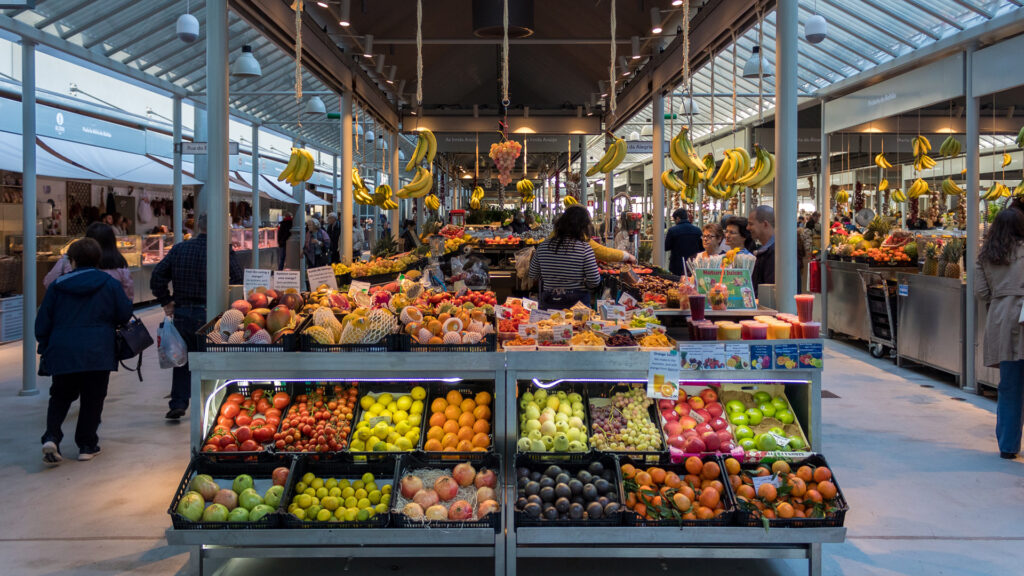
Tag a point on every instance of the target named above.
point(202, 148)
point(466, 142)
point(641, 146)
point(736, 280)
point(88, 130)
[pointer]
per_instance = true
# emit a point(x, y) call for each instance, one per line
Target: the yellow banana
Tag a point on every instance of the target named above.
point(883, 185)
point(293, 162)
point(1006, 160)
point(950, 188)
point(881, 162)
point(431, 145)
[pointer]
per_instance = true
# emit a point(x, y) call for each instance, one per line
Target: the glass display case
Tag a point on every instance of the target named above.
point(131, 248)
point(48, 248)
point(241, 238)
point(155, 247)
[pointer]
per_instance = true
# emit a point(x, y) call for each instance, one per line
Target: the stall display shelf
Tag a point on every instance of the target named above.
point(211, 372)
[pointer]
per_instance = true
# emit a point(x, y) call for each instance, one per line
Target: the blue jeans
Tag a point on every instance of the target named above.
point(1010, 405)
point(187, 319)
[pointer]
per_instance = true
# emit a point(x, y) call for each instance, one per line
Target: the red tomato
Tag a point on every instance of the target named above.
point(230, 410)
point(263, 435)
point(249, 446)
point(263, 405)
point(273, 422)
point(225, 421)
point(243, 419)
point(221, 431)
point(230, 448)
point(211, 448)
point(235, 398)
point(249, 403)
point(280, 400)
point(242, 434)
point(258, 393)
point(226, 440)
point(273, 413)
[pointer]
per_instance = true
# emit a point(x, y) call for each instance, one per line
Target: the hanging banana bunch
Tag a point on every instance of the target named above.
point(382, 198)
point(432, 202)
point(883, 185)
point(420, 185)
point(951, 188)
point(1006, 160)
point(998, 190)
point(842, 197)
point(763, 170)
point(922, 161)
point(916, 189)
point(569, 201)
point(476, 197)
point(950, 147)
point(1020, 138)
point(300, 167)
point(360, 192)
point(881, 162)
point(613, 156)
point(1018, 192)
point(426, 148)
point(682, 152)
point(525, 189)
point(899, 196)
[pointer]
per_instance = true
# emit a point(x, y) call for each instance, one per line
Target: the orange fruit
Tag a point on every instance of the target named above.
point(435, 340)
point(672, 480)
point(465, 433)
point(482, 412)
point(442, 317)
point(813, 496)
point(769, 513)
point(822, 474)
point(694, 465)
point(785, 510)
point(628, 471)
point(481, 440)
point(479, 449)
point(467, 405)
point(767, 492)
point(466, 419)
point(437, 419)
point(827, 489)
point(705, 513)
point(746, 491)
point(450, 426)
point(734, 481)
point(689, 516)
point(452, 412)
point(780, 467)
point(482, 427)
point(643, 478)
point(709, 498)
point(732, 466)
point(435, 433)
point(805, 473)
point(693, 481)
point(438, 405)
point(449, 440)
point(799, 514)
point(717, 485)
point(799, 488)
point(454, 397)
point(657, 475)
point(710, 470)
point(631, 500)
point(681, 502)
point(432, 445)
point(483, 398)
point(762, 471)
point(435, 328)
point(464, 446)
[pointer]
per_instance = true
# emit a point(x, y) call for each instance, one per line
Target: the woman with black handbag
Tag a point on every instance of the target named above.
point(76, 330)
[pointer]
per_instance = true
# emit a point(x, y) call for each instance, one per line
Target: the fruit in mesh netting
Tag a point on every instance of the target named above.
point(379, 323)
point(323, 317)
point(230, 321)
point(260, 337)
point(237, 338)
point(452, 338)
point(411, 314)
point(215, 337)
point(424, 336)
point(471, 338)
point(452, 325)
point(320, 334)
point(477, 327)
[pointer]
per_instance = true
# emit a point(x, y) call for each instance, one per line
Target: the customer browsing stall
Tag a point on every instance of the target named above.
point(762, 228)
point(711, 238)
point(682, 240)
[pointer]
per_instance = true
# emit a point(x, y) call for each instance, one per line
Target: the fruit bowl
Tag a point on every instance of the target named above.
point(694, 473)
point(539, 491)
point(347, 474)
point(423, 479)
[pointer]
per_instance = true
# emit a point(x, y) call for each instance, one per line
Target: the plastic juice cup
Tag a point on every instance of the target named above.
point(729, 331)
point(696, 306)
point(708, 332)
point(758, 331)
point(797, 329)
point(805, 307)
point(779, 331)
point(764, 319)
point(811, 329)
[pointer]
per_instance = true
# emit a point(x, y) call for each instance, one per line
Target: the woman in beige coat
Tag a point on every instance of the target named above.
point(1000, 282)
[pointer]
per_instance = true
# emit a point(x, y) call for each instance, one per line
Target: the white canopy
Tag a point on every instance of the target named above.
point(116, 164)
point(267, 190)
point(46, 164)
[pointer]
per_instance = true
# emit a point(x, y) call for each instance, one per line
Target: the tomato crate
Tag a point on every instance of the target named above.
point(599, 395)
point(260, 468)
point(631, 518)
point(524, 435)
point(345, 467)
point(529, 467)
point(339, 418)
point(437, 467)
point(835, 512)
point(375, 390)
point(488, 343)
point(389, 343)
point(223, 439)
point(439, 391)
point(286, 343)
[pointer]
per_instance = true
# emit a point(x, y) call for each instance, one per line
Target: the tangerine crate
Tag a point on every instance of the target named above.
point(833, 513)
point(631, 518)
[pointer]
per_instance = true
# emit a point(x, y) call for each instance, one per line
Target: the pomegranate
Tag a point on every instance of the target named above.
point(460, 510)
point(425, 498)
point(485, 493)
point(411, 485)
point(486, 477)
point(446, 488)
point(486, 507)
point(437, 512)
point(413, 511)
point(464, 474)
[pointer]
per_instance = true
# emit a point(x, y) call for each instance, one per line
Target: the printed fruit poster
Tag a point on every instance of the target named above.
point(737, 282)
point(663, 375)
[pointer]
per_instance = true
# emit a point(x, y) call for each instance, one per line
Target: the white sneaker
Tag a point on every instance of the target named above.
point(51, 454)
point(86, 454)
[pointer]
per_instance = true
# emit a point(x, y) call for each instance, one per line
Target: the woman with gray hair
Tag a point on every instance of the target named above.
point(317, 245)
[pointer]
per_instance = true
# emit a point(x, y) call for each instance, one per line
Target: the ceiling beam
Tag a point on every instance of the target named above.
point(531, 125)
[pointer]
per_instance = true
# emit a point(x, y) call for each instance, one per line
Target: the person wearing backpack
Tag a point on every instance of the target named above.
point(76, 331)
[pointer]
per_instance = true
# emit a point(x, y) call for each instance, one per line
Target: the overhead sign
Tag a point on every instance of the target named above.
point(642, 146)
point(466, 142)
point(202, 148)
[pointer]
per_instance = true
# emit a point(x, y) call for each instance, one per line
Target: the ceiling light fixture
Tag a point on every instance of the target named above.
point(368, 46)
point(634, 135)
point(380, 64)
point(677, 2)
point(815, 28)
point(750, 67)
point(647, 130)
point(315, 106)
point(391, 74)
point(624, 64)
point(690, 107)
point(322, 4)
point(343, 15)
point(187, 28)
point(655, 20)
point(246, 65)
point(635, 40)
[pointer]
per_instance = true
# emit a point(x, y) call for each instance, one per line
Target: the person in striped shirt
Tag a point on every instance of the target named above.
point(565, 265)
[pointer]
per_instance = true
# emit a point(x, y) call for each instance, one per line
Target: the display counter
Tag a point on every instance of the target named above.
point(847, 301)
point(931, 322)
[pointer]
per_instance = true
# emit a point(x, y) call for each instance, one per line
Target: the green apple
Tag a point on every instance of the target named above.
point(273, 496)
point(760, 397)
point(754, 416)
point(768, 409)
point(784, 416)
point(561, 417)
point(561, 443)
point(575, 398)
point(523, 445)
point(561, 395)
point(238, 515)
point(562, 427)
point(573, 435)
point(549, 443)
point(742, 432)
point(780, 403)
point(259, 511)
point(532, 412)
point(777, 431)
point(748, 444)
point(766, 442)
point(537, 446)
point(527, 397)
point(734, 406)
point(738, 419)
point(796, 443)
point(532, 425)
point(540, 396)
point(534, 435)
point(577, 446)
point(553, 402)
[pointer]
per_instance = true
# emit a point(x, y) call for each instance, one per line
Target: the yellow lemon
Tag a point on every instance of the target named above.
point(308, 478)
point(399, 416)
point(358, 446)
point(324, 515)
point(402, 427)
point(350, 502)
point(416, 408)
point(330, 483)
point(299, 513)
point(300, 487)
point(419, 393)
point(351, 513)
point(374, 497)
point(404, 403)
point(365, 402)
point(385, 398)
point(334, 492)
point(347, 492)
point(404, 444)
point(316, 484)
point(303, 500)
point(363, 503)
point(363, 515)
point(321, 493)
point(376, 409)
point(392, 407)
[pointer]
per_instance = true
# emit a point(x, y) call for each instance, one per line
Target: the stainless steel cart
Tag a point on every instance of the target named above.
point(881, 305)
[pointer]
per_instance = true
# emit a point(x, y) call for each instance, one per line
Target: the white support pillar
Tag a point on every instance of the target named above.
point(583, 171)
point(177, 217)
point(28, 218)
point(786, 38)
point(973, 113)
point(255, 195)
point(217, 239)
point(824, 204)
point(657, 189)
point(346, 177)
point(299, 193)
point(335, 200)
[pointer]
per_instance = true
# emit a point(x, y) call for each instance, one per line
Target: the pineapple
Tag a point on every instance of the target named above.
point(931, 264)
point(952, 252)
point(877, 229)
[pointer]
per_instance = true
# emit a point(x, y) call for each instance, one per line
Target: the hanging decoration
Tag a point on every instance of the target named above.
point(504, 58)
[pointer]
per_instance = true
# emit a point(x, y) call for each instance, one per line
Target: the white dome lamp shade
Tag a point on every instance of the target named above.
point(359, 130)
point(401, 155)
point(815, 29)
point(369, 136)
point(634, 135)
point(690, 107)
point(187, 28)
point(315, 106)
point(382, 144)
point(647, 130)
point(750, 67)
point(246, 65)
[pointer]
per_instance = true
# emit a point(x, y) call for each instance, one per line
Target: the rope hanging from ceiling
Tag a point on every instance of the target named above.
point(419, 53)
point(611, 66)
point(298, 56)
point(504, 56)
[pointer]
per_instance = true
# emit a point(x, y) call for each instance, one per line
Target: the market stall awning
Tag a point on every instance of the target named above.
point(46, 164)
point(115, 164)
point(267, 190)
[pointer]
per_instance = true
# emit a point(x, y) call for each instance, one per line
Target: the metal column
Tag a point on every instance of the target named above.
point(346, 177)
point(28, 218)
point(397, 215)
point(217, 178)
point(255, 195)
point(335, 197)
point(824, 178)
point(583, 170)
point(973, 113)
point(177, 217)
point(786, 38)
point(657, 189)
point(299, 193)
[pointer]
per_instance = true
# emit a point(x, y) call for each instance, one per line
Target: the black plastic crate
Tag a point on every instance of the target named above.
point(419, 460)
point(396, 389)
point(287, 343)
point(468, 390)
point(745, 516)
point(607, 391)
point(390, 343)
point(487, 344)
point(631, 518)
point(260, 468)
point(245, 388)
point(572, 466)
point(385, 471)
point(311, 387)
point(569, 387)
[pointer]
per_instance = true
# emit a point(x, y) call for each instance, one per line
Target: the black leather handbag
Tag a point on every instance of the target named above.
point(131, 340)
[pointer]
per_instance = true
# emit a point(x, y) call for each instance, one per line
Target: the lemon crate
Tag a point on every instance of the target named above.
point(375, 390)
point(836, 515)
point(384, 470)
point(631, 518)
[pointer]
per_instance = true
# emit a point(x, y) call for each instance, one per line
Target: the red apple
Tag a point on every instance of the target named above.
point(677, 441)
point(673, 429)
point(682, 396)
point(242, 306)
point(690, 433)
point(670, 416)
point(666, 405)
point(695, 402)
point(704, 414)
point(719, 424)
point(711, 441)
point(725, 435)
point(715, 409)
point(688, 422)
point(694, 446)
point(728, 446)
point(704, 427)
point(708, 395)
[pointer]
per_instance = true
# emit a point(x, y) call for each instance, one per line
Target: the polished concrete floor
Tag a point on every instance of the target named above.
point(915, 456)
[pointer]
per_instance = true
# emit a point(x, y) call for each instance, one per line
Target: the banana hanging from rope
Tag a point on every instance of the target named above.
point(762, 172)
point(950, 147)
point(420, 185)
point(476, 197)
point(883, 185)
point(899, 196)
point(1006, 160)
point(426, 148)
point(671, 182)
point(950, 188)
point(613, 156)
point(300, 167)
point(382, 197)
point(525, 189)
point(360, 192)
point(916, 189)
point(995, 191)
point(682, 152)
point(881, 162)
point(842, 197)
point(432, 202)
point(1018, 192)
point(922, 161)
point(569, 201)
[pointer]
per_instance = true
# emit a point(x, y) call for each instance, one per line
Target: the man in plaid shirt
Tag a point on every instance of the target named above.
point(185, 267)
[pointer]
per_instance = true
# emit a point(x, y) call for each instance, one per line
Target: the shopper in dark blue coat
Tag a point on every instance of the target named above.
point(682, 241)
point(75, 328)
